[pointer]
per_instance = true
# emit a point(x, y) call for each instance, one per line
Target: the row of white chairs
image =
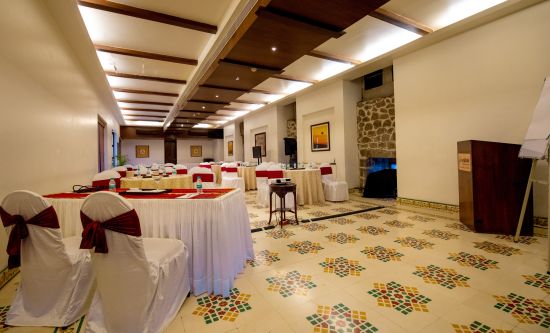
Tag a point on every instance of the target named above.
point(137, 284)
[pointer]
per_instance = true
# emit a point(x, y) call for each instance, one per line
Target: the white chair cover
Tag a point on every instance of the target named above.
point(180, 167)
point(205, 184)
point(154, 166)
point(121, 170)
point(169, 164)
point(289, 197)
point(106, 175)
point(56, 276)
point(262, 195)
point(129, 167)
point(334, 190)
point(169, 170)
point(141, 282)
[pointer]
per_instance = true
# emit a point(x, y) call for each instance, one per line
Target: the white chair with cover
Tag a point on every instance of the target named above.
point(205, 165)
point(231, 178)
point(168, 170)
point(102, 179)
point(168, 165)
point(207, 177)
point(181, 169)
point(121, 170)
point(56, 276)
point(262, 195)
point(141, 282)
point(334, 190)
point(129, 167)
point(274, 171)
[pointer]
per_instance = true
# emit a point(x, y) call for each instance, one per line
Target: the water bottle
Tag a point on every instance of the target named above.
point(148, 171)
point(199, 185)
point(174, 172)
point(112, 185)
point(138, 173)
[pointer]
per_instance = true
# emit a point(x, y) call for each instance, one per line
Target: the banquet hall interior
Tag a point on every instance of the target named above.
point(274, 166)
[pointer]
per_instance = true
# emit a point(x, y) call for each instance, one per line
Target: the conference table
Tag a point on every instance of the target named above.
point(214, 226)
point(309, 186)
point(165, 182)
point(248, 173)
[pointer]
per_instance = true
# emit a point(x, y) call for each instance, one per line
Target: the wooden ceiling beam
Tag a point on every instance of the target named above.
point(144, 77)
point(242, 101)
point(149, 15)
point(147, 55)
point(193, 111)
point(206, 102)
point(333, 57)
point(146, 110)
point(292, 78)
point(231, 109)
point(145, 119)
point(244, 91)
point(401, 21)
point(133, 101)
point(251, 67)
point(145, 92)
point(143, 115)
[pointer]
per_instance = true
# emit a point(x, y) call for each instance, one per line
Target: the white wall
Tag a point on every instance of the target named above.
point(49, 105)
point(284, 113)
point(482, 84)
point(263, 121)
point(210, 149)
point(334, 103)
point(228, 135)
point(156, 151)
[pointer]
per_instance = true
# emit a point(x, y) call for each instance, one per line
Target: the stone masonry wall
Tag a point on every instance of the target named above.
point(375, 131)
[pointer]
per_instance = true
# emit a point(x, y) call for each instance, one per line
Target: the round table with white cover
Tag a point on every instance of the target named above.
point(215, 231)
point(169, 182)
point(309, 187)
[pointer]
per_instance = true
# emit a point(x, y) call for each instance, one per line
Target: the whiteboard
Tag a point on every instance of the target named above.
point(535, 144)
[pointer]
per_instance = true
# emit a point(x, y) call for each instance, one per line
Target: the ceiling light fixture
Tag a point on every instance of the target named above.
point(203, 107)
point(253, 69)
point(217, 96)
point(237, 78)
point(273, 48)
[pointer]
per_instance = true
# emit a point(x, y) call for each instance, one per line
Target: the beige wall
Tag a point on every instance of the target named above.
point(482, 84)
point(156, 151)
point(264, 121)
point(209, 150)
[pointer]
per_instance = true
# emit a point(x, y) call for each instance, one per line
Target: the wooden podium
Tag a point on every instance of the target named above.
point(492, 182)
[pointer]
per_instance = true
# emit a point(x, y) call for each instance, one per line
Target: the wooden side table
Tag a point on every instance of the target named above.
point(281, 191)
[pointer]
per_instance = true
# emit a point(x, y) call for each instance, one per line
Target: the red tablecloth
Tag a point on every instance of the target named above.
point(211, 193)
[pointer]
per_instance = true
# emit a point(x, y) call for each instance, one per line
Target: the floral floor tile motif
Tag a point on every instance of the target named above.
point(421, 218)
point(435, 233)
point(497, 248)
point(342, 266)
point(304, 247)
point(264, 257)
point(525, 310)
point(446, 277)
point(415, 243)
point(367, 216)
point(401, 298)
point(340, 319)
point(341, 238)
point(387, 211)
point(3, 313)
point(313, 226)
point(477, 327)
point(458, 226)
point(291, 283)
point(398, 224)
point(277, 233)
point(342, 210)
point(215, 308)
point(538, 280)
point(472, 260)
point(528, 240)
point(375, 231)
point(363, 206)
point(318, 213)
point(382, 253)
point(342, 221)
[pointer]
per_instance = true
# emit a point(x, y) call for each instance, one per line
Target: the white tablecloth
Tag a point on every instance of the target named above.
point(216, 232)
point(249, 176)
point(309, 187)
point(169, 182)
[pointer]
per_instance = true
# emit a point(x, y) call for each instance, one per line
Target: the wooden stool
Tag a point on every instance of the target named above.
point(281, 190)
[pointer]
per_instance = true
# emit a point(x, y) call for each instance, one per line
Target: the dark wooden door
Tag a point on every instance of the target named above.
point(170, 151)
point(101, 144)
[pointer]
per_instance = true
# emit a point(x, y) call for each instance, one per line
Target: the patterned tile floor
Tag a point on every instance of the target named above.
point(395, 269)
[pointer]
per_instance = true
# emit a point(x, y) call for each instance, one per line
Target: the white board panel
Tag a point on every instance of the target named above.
point(535, 144)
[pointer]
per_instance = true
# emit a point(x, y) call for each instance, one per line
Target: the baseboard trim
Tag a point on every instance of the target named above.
point(427, 204)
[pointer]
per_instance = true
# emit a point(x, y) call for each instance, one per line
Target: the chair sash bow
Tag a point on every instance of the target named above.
point(93, 234)
point(46, 219)
point(205, 177)
point(326, 171)
point(181, 171)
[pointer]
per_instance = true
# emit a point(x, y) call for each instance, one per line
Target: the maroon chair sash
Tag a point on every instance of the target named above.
point(326, 171)
point(262, 174)
point(105, 183)
point(181, 171)
point(205, 177)
point(93, 234)
point(122, 173)
point(232, 170)
point(208, 166)
point(129, 169)
point(46, 219)
point(274, 174)
point(223, 169)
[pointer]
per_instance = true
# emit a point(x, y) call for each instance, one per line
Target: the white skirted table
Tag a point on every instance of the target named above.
point(309, 187)
point(214, 228)
point(168, 182)
point(248, 173)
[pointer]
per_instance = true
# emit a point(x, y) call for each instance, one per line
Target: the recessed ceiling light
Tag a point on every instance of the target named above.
point(181, 125)
point(253, 69)
point(203, 107)
point(274, 48)
point(237, 78)
point(217, 96)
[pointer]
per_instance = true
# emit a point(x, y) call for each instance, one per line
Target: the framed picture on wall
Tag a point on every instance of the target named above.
point(196, 151)
point(259, 140)
point(142, 151)
point(229, 148)
point(320, 137)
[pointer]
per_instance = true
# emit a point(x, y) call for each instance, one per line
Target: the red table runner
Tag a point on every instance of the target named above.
point(210, 193)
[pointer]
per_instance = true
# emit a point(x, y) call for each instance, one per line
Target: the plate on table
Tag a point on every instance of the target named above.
point(139, 191)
